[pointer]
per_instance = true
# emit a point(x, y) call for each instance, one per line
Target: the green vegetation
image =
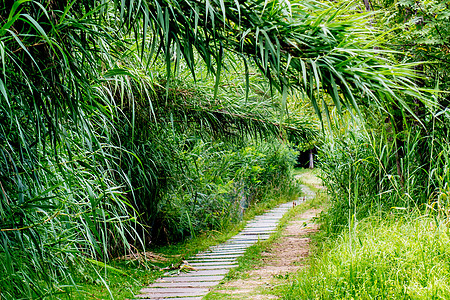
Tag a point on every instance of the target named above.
point(385, 233)
point(391, 258)
point(130, 124)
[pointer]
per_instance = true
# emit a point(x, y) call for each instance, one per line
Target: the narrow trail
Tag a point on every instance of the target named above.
point(281, 260)
point(211, 266)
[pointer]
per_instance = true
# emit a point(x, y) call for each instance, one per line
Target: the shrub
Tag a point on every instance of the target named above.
point(220, 181)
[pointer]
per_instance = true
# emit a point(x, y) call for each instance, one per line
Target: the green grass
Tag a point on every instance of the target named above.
point(390, 258)
point(120, 285)
point(299, 171)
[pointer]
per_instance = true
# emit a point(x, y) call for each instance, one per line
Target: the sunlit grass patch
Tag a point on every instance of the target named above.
point(393, 258)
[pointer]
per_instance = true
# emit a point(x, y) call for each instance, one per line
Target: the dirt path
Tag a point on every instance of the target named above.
point(284, 257)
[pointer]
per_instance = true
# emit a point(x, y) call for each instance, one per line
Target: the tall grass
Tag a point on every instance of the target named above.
point(366, 175)
point(96, 118)
point(85, 153)
point(394, 258)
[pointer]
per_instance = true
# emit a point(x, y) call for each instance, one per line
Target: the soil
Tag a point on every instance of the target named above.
point(286, 256)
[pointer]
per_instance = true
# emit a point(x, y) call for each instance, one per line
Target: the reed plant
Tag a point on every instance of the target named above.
point(368, 174)
point(97, 113)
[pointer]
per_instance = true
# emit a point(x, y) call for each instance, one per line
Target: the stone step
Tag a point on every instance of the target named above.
point(251, 236)
point(187, 284)
point(164, 293)
point(211, 259)
point(246, 243)
point(270, 215)
point(212, 263)
point(227, 247)
point(218, 256)
point(205, 273)
point(257, 239)
point(176, 298)
point(216, 278)
point(257, 231)
point(223, 252)
point(214, 267)
point(262, 226)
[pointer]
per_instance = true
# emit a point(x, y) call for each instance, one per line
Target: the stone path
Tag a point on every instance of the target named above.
point(211, 266)
point(275, 264)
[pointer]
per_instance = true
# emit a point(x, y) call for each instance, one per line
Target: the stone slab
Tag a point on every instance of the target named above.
point(240, 242)
point(218, 256)
point(186, 298)
point(264, 225)
point(255, 234)
point(251, 236)
point(219, 252)
point(269, 229)
point(225, 245)
point(213, 267)
point(258, 230)
point(172, 295)
point(205, 273)
point(186, 284)
point(175, 290)
point(216, 278)
point(212, 263)
point(211, 259)
point(228, 248)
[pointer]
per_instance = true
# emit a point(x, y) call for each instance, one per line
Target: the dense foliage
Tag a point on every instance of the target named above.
point(388, 159)
point(122, 120)
point(387, 175)
point(363, 178)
